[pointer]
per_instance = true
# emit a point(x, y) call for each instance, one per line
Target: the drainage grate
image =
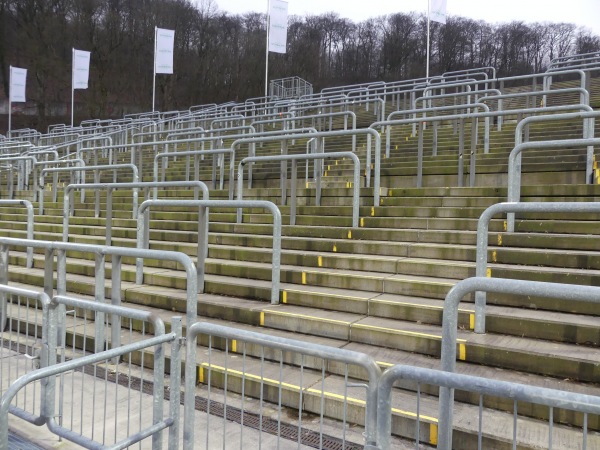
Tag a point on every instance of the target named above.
point(251, 420)
point(16, 442)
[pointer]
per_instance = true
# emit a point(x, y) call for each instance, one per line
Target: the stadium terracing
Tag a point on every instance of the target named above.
point(387, 265)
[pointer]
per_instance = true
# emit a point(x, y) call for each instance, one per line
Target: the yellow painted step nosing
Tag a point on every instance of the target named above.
point(297, 388)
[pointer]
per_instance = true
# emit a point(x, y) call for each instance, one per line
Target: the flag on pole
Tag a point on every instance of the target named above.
point(81, 69)
point(438, 11)
point(163, 57)
point(278, 23)
point(18, 78)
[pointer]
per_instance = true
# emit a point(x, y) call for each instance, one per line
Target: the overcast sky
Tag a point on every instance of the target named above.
point(580, 12)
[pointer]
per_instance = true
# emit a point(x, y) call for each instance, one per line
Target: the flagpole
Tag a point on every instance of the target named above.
point(267, 50)
point(9, 100)
point(72, 83)
point(154, 76)
point(428, 30)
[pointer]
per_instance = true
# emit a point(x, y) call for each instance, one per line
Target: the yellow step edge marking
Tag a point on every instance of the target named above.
point(500, 238)
point(307, 185)
point(349, 234)
point(318, 392)
point(406, 138)
point(495, 256)
point(201, 374)
point(396, 147)
point(382, 363)
point(327, 294)
point(372, 211)
point(432, 307)
point(404, 332)
point(262, 319)
point(320, 261)
point(362, 222)
point(334, 248)
point(505, 226)
point(462, 352)
point(471, 321)
point(303, 277)
point(234, 346)
point(304, 316)
point(361, 276)
point(433, 433)
point(414, 415)
point(325, 174)
point(328, 168)
point(488, 273)
point(284, 295)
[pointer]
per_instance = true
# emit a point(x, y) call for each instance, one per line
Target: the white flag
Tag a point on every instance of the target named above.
point(278, 22)
point(81, 69)
point(438, 11)
point(18, 77)
point(163, 57)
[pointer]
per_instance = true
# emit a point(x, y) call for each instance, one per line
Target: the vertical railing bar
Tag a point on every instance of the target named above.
point(300, 405)
point(105, 403)
point(93, 420)
point(243, 396)
point(345, 405)
point(142, 365)
point(418, 420)
point(322, 406)
point(225, 391)
point(262, 383)
point(514, 446)
point(280, 398)
point(209, 387)
point(480, 429)
point(116, 385)
point(585, 431)
point(550, 426)
point(129, 383)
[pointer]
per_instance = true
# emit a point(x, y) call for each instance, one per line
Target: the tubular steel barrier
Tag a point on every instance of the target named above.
point(450, 323)
point(60, 249)
point(311, 361)
point(371, 133)
point(30, 225)
point(586, 404)
point(514, 169)
point(294, 159)
point(68, 203)
point(482, 237)
point(23, 345)
point(514, 161)
point(143, 239)
point(86, 372)
point(471, 116)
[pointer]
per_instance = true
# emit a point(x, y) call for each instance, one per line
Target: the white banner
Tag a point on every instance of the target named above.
point(164, 44)
point(81, 69)
point(278, 23)
point(18, 78)
point(438, 11)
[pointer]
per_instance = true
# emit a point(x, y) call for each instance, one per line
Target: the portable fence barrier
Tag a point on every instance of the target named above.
point(252, 364)
point(80, 397)
point(450, 324)
point(100, 254)
point(510, 433)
